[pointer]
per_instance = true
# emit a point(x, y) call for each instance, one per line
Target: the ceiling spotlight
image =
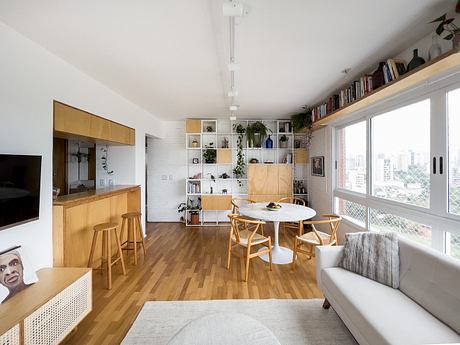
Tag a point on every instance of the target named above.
point(233, 93)
point(233, 9)
point(234, 107)
point(233, 66)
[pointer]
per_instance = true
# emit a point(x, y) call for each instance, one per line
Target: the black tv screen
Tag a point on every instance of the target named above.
point(19, 189)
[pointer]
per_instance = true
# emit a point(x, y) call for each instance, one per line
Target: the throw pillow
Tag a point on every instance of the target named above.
point(374, 255)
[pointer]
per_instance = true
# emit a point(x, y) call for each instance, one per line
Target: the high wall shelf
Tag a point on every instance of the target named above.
point(423, 73)
point(219, 135)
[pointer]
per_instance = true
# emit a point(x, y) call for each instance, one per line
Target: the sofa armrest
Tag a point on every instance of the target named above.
point(326, 256)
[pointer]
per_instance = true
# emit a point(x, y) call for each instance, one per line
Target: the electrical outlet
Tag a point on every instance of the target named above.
point(164, 177)
point(111, 182)
point(101, 182)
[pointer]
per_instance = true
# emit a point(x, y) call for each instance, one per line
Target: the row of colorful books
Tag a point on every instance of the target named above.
point(392, 70)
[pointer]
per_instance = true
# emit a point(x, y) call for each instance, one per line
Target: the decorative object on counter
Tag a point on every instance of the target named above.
point(195, 161)
point(268, 162)
point(269, 142)
point(209, 129)
point(415, 62)
point(287, 159)
point(195, 143)
point(377, 77)
point(284, 141)
point(299, 187)
point(224, 176)
point(212, 177)
point(17, 273)
point(256, 132)
point(225, 143)
point(210, 154)
point(435, 49)
point(239, 170)
point(56, 192)
point(447, 24)
point(194, 208)
point(104, 160)
point(317, 166)
point(254, 161)
point(224, 191)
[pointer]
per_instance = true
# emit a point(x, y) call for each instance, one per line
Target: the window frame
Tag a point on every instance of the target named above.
point(437, 214)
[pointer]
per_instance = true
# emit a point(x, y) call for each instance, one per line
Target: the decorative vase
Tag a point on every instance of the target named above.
point(415, 62)
point(194, 219)
point(194, 143)
point(257, 140)
point(284, 144)
point(435, 49)
point(269, 143)
point(377, 77)
point(456, 41)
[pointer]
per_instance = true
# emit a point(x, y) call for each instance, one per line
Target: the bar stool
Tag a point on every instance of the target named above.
point(131, 219)
point(107, 229)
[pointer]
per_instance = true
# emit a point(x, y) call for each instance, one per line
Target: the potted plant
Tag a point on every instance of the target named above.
point(447, 24)
point(302, 122)
point(194, 208)
point(209, 155)
point(284, 141)
point(256, 133)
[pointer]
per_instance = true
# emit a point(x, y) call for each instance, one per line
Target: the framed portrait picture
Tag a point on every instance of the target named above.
point(195, 161)
point(317, 166)
point(16, 272)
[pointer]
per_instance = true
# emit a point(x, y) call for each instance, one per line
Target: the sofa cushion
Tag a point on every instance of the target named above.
point(432, 280)
point(381, 314)
point(374, 255)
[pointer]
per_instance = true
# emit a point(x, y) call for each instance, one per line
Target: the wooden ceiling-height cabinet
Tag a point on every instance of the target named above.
point(71, 123)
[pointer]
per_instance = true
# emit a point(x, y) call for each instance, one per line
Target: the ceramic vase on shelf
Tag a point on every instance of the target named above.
point(377, 77)
point(269, 143)
point(435, 49)
point(415, 62)
point(257, 140)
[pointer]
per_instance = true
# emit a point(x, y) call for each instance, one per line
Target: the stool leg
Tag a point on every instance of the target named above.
point(104, 251)
point(122, 231)
point(93, 248)
point(120, 253)
point(109, 260)
point(141, 234)
point(134, 240)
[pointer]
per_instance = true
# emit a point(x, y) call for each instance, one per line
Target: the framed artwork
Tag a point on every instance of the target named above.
point(317, 166)
point(16, 272)
point(195, 161)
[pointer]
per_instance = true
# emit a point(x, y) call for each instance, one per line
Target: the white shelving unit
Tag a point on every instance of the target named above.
point(206, 178)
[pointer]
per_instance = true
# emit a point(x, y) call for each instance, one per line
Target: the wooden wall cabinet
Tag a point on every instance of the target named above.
point(193, 126)
point(269, 182)
point(224, 156)
point(70, 123)
point(216, 202)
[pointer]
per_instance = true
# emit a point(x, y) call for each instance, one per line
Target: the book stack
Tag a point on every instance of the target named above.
point(392, 70)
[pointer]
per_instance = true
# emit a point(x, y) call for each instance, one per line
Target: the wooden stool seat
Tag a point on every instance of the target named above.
point(106, 229)
point(135, 236)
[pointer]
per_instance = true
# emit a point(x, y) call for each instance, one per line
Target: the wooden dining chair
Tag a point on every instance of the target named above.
point(239, 202)
point(297, 226)
point(315, 237)
point(242, 235)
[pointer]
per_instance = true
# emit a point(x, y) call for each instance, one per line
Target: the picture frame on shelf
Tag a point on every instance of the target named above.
point(195, 161)
point(317, 166)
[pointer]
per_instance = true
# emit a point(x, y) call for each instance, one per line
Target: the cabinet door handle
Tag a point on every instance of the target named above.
point(434, 165)
point(441, 165)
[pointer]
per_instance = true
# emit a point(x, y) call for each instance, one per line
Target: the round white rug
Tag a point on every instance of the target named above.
point(224, 329)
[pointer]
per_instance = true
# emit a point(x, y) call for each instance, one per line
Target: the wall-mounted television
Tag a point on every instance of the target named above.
point(19, 189)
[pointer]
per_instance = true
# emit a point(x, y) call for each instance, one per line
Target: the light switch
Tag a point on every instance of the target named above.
point(170, 177)
point(164, 177)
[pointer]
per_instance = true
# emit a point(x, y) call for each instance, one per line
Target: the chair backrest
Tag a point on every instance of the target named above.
point(237, 222)
point(334, 223)
point(292, 200)
point(238, 202)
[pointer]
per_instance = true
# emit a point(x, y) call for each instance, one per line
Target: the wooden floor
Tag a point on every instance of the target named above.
point(186, 264)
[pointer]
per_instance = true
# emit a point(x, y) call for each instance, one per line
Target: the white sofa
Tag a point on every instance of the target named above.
point(424, 310)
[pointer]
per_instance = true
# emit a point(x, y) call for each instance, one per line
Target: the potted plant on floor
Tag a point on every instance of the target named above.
point(194, 209)
point(256, 133)
point(284, 141)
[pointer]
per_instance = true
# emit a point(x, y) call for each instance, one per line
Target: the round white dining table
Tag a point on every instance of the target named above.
point(287, 213)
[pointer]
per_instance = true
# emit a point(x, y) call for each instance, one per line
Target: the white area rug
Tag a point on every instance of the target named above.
point(291, 321)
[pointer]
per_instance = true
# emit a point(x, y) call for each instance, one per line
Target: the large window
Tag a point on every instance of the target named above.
point(352, 157)
point(399, 170)
point(401, 154)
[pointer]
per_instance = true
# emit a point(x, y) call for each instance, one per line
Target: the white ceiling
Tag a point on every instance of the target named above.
point(170, 56)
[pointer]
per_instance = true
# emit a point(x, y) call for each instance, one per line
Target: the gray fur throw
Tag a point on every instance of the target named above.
point(374, 255)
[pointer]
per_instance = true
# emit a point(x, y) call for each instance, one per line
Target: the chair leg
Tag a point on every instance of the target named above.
point(310, 252)
point(120, 253)
point(294, 254)
point(122, 231)
point(93, 248)
point(270, 252)
point(262, 229)
point(229, 254)
point(248, 253)
point(141, 234)
point(326, 304)
point(109, 260)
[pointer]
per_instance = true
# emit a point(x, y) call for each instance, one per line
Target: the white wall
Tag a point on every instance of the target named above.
point(166, 173)
point(31, 78)
point(320, 188)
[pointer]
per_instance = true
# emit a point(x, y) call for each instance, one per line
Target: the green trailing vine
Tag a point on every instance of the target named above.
point(239, 170)
point(104, 159)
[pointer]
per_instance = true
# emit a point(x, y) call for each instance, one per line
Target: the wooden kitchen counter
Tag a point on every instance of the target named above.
point(75, 215)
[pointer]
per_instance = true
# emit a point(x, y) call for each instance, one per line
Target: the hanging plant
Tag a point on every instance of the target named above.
point(239, 170)
point(104, 159)
point(303, 121)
